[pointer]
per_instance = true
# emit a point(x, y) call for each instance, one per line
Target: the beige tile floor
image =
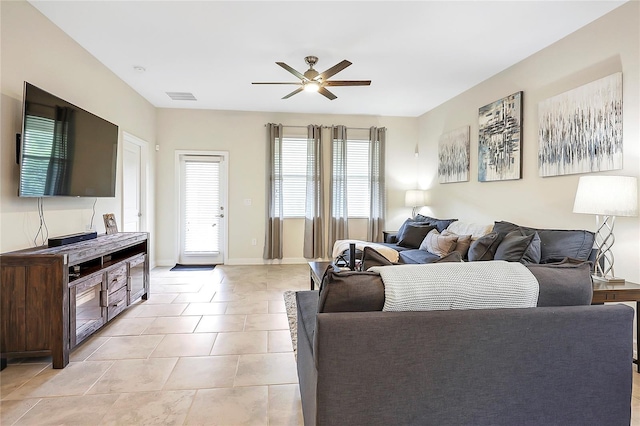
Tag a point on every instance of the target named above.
point(207, 348)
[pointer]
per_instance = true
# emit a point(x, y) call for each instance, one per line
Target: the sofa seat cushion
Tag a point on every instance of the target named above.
point(444, 286)
point(416, 256)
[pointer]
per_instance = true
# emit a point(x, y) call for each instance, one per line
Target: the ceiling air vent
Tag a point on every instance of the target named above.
point(181, 96)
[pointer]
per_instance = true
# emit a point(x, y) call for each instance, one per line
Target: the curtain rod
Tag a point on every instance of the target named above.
point(328, 127)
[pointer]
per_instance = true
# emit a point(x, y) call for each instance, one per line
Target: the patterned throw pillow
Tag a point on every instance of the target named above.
point(440, 245)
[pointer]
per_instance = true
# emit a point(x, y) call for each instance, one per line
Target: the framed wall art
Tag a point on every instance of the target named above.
point(453, 156)
point(580, 131)
point(499, 139)
point(110, 223)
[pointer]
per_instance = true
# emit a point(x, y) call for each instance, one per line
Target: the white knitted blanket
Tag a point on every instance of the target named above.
point(470, 285)
point(341, 245)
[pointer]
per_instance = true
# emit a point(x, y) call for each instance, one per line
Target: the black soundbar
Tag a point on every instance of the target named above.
point(72, 238)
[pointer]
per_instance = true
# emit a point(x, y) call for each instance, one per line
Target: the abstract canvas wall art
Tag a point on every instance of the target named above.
point(453, 156)
point(580, 131)
point(499, 139)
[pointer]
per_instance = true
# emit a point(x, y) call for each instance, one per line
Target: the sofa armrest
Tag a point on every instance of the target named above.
point(390, 237)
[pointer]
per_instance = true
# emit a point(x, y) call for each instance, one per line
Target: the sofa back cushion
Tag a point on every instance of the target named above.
point(351, 291)
point(563, 284)
point(555, 244)
point(468, 285)
point(440, 224)
point(467, 228)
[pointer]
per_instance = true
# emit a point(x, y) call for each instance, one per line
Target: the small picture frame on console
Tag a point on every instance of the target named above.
point(110, 223)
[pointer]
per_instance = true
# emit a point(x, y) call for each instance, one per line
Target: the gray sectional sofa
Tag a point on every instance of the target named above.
point(564, 362)
point(552, 245)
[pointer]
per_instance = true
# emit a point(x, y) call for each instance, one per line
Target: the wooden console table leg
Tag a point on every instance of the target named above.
point(3, 363)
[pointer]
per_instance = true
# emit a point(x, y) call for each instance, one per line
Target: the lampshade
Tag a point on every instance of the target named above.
point(607, 195)
point(414, 198)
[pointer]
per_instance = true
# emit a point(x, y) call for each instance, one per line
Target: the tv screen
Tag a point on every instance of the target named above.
point(65, 150)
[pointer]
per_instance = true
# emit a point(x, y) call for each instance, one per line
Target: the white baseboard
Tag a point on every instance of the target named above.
point(245, 261)
point(260, 261)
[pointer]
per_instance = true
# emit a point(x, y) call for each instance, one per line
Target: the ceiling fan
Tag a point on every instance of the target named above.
point(313, 81)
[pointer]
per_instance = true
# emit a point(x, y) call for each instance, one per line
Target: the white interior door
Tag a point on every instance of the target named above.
point(132, 171)
point(203, 182)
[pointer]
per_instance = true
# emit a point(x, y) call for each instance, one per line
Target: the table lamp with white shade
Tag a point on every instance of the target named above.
point(414, 198)
point(606, 196)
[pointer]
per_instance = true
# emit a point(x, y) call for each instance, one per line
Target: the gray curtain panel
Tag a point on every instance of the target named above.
point(314, 207)
point(273, 228)
point(377, 139)
point(338, 226)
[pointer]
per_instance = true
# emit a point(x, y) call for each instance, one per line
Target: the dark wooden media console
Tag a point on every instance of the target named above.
point(52, 298)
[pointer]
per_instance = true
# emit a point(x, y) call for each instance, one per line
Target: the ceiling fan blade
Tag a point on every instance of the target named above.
point(292, 71)
point(324, 92)
point(298, 90)
point(333, 70)
point(348, 83)
point(298, 83)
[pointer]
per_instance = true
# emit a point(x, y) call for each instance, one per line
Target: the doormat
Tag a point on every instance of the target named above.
point(180, 267)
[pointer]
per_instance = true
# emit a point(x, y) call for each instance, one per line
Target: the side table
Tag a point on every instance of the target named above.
point(627, 292)
point(316, 272)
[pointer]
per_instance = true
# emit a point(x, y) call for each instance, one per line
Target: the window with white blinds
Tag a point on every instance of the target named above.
point(36, 154)
point(201, 205)
point(294, 177)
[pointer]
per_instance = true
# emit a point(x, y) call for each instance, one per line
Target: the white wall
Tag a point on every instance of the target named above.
point(606, 46)
point(243, 135)
point(35, 50)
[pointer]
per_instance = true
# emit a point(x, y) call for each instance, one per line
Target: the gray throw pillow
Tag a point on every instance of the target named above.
point(403, 228)
point(440, 224)
point(484, 248)
point(413, 235)
point(517, 246)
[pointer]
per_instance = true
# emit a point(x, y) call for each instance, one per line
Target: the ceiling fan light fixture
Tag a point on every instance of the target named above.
point(311, 86)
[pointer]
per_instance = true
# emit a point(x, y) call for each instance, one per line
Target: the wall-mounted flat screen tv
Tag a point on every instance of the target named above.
point(65, 150)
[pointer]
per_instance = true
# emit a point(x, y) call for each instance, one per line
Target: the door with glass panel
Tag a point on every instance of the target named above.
point(203, 180)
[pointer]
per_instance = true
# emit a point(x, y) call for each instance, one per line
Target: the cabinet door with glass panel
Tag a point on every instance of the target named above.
point(87, 308)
